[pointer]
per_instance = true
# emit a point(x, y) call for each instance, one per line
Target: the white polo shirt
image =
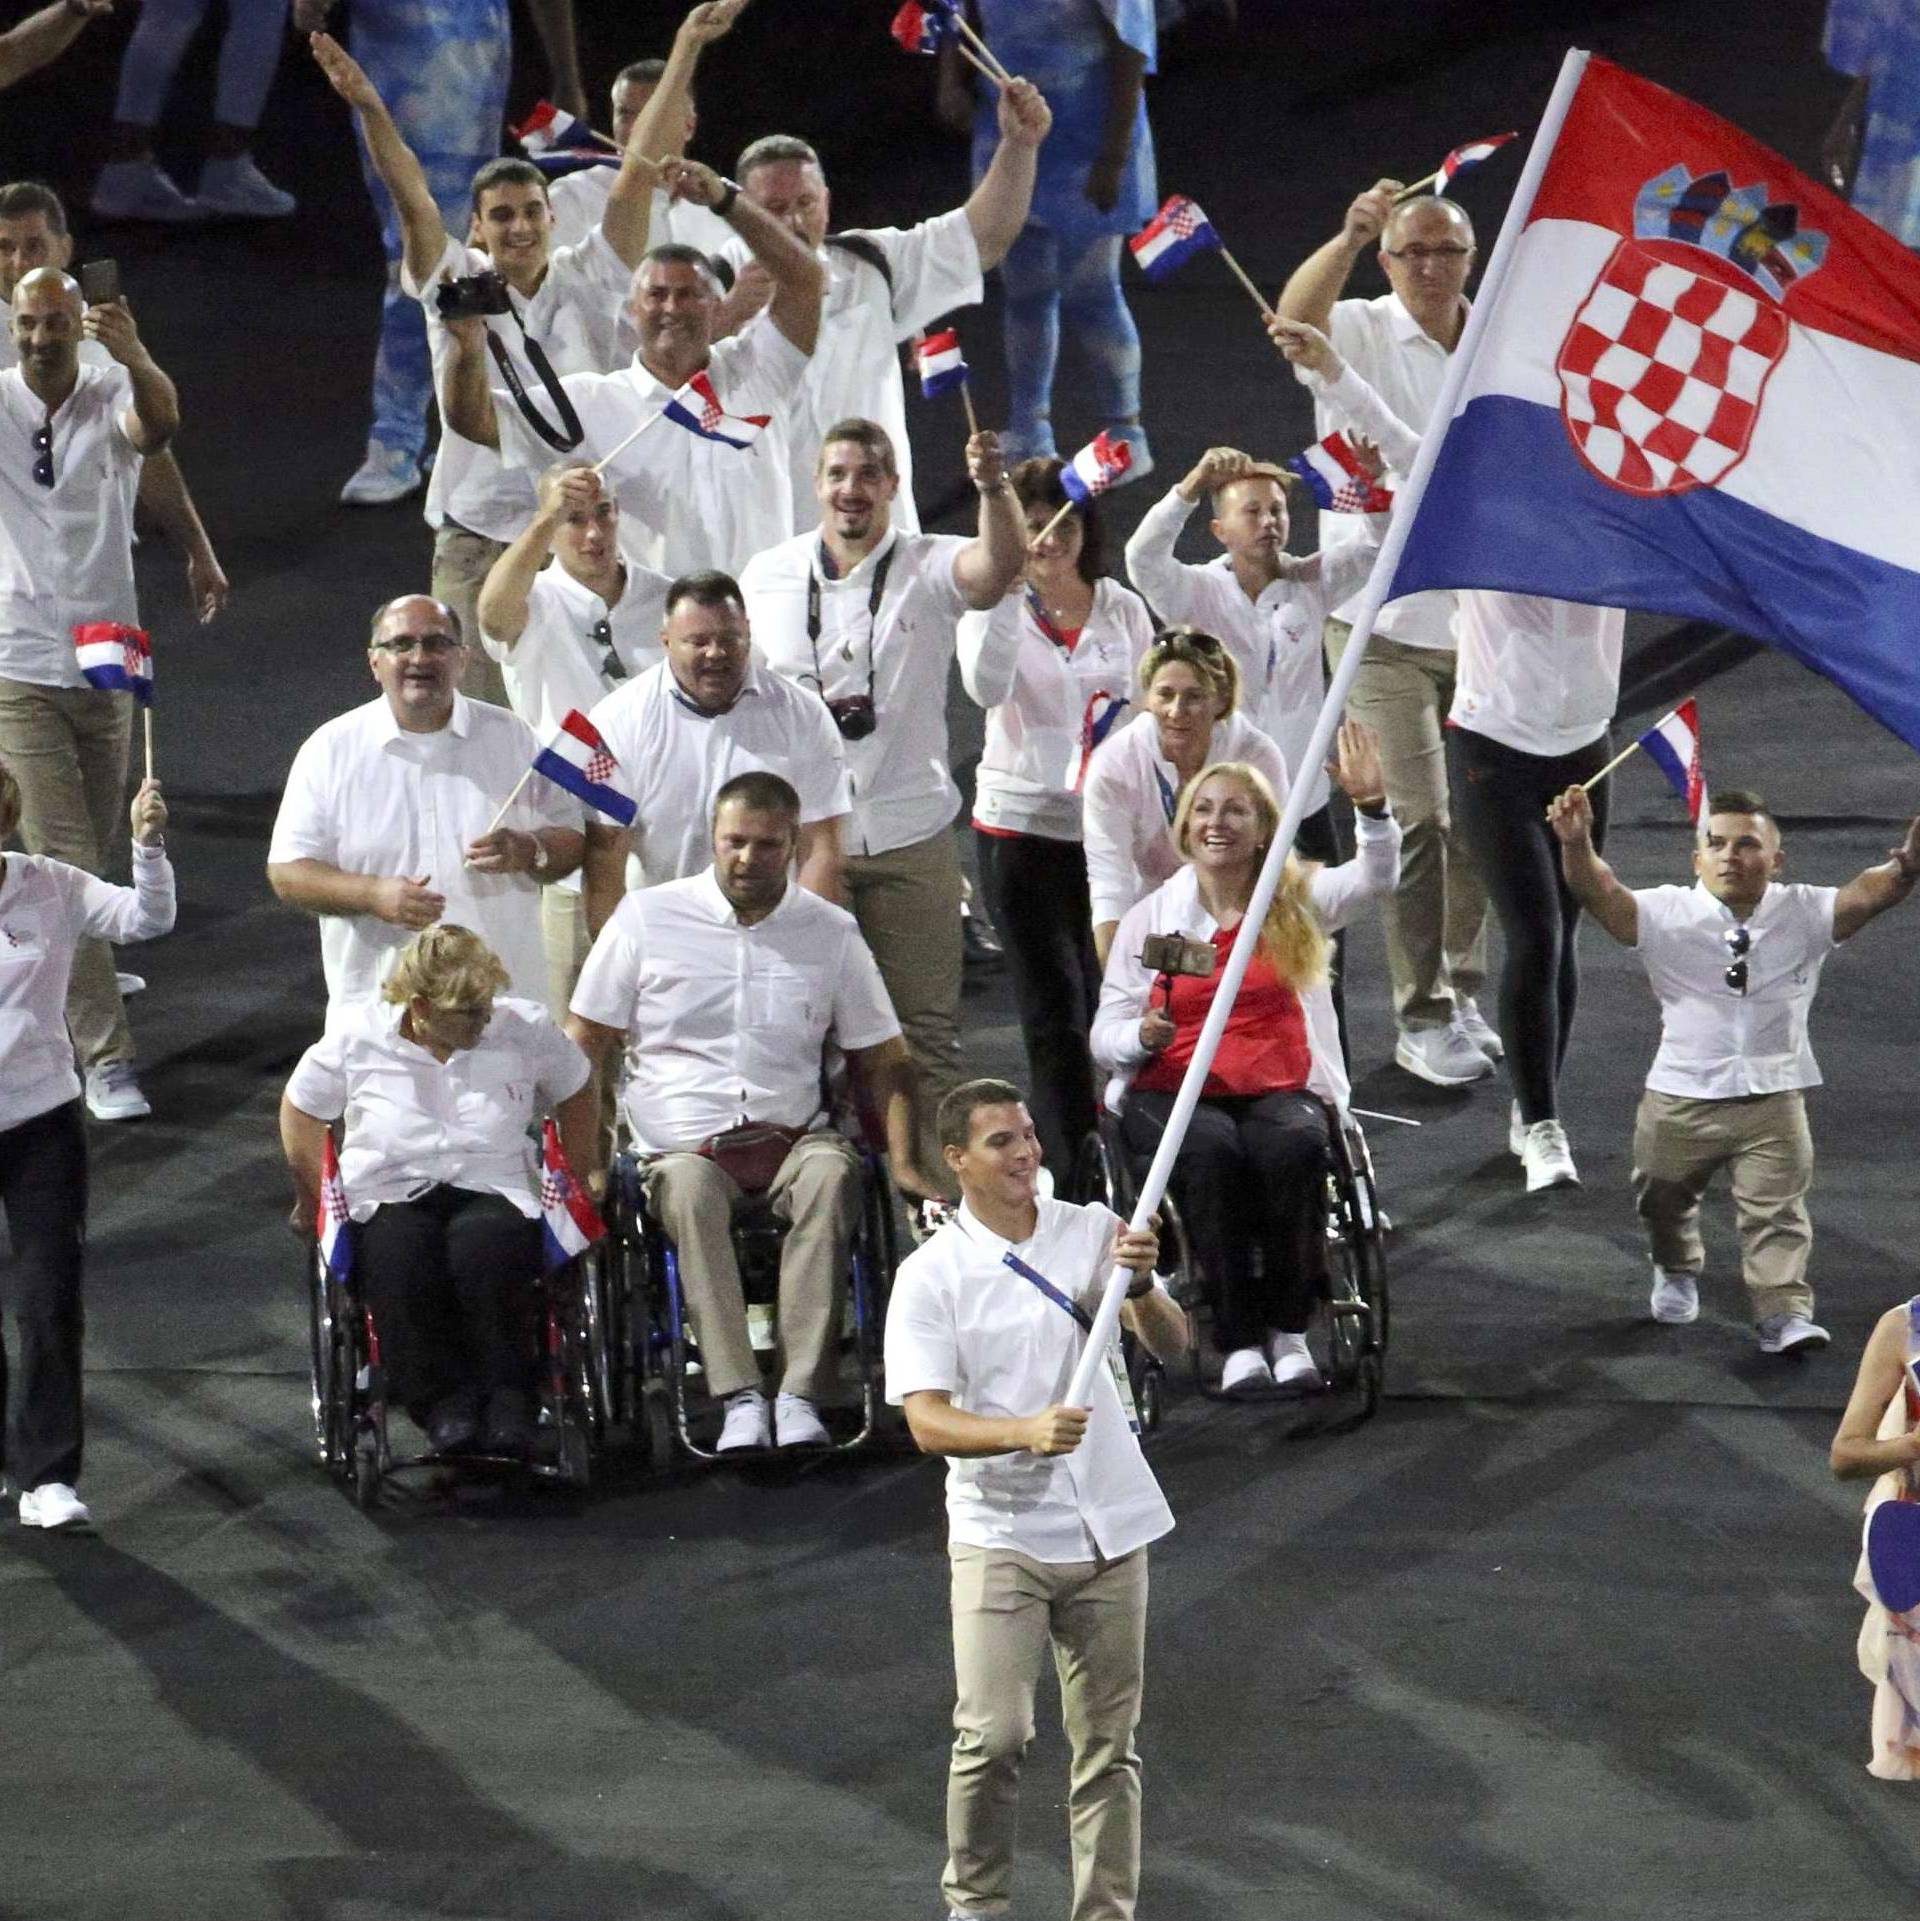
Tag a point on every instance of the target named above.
point(414, 1122)
point(901, 654)
point(961, 1322)
point(856, 362)
point(573, 315)
point(686, 502)
point(368, 797)
point(556, 665)
point(674, 758)
point(66, 551)
point(1132, 793)
point(1716, 1044)
point(726, 1023)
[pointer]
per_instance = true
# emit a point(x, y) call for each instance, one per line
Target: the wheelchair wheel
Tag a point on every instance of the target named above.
point(367, 1466)
point(327, 1367)
point(1356, 1278)
point(653, 1426)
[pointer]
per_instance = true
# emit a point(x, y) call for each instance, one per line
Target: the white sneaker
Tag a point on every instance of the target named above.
point(747, 1423)
point(140, 190)
point(1547, 1158)
point(797, 1424)
point(1478, 1029)
point(1789, 1334)
point(1292, 1364)
point(386, 475)
point(236, 187)
point(55, 1505)
point(1442, 1055)
point(1246, 1370)
point(130, 984)
point(113, 1094)
point(1676, 1297)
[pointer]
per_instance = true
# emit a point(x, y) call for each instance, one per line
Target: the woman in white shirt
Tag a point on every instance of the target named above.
point(46, 907)
point(1051, 697)
point(439, 1088)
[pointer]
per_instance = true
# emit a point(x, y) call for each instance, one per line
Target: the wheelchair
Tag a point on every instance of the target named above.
point(1356, 1293)
point(640, 1303)
point(351, 1429)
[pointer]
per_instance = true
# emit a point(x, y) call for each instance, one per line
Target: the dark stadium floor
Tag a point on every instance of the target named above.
point(1567, 1631)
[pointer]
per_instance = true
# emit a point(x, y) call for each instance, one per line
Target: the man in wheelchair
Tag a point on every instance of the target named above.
point(723, 990)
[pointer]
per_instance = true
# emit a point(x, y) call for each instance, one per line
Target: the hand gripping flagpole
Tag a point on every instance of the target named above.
point(1080, 1389)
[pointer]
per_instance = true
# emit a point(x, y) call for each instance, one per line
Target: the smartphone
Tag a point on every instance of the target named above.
point(99, 282)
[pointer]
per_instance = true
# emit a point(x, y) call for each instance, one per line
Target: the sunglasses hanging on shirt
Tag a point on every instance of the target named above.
point(855, 715)
point(43, 450)
point(601, 634)
point(1738, 940)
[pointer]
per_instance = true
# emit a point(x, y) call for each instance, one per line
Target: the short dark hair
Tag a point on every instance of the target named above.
point(757, 788)
point(19, 198)
point(1036, 483)
point(676, 253)
point(708, 588)
point(863, 433)
point(1738, 800)
point(772, 148)
point(953, 1121)
point(508, 171)
point(641, 73)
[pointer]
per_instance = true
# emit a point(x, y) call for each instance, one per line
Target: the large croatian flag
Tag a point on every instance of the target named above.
point(1696, 393)
point(578, 759)
point(115, 658)
point(697, 408)
point(569, 1221)
point(1673, 745)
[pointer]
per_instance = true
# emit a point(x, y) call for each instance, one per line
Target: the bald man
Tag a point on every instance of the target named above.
point(66, 558)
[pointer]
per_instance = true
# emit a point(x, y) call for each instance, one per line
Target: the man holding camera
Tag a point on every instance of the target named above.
point(863, 617)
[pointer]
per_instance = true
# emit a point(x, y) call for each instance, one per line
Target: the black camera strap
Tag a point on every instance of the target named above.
point(569, 434)
point(882, 567)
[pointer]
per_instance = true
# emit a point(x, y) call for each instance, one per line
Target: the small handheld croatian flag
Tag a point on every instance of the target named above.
point(333, 1229)
point(569, 1222)
point(1337, 478)
point(941, 367)
point(1471, 155)
point(577, 759)
point(697, 408)
point(1100, 464)
point(557, 142)
point(1673, 745)
point(116, 659)
point(1172, 237)
point(924, 26)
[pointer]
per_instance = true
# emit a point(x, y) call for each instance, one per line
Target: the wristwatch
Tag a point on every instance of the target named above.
point(1138, 1291)
point(724, 205)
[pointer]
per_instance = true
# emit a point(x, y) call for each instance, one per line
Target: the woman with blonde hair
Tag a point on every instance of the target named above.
point(439, 1086)
point(1251, 1171)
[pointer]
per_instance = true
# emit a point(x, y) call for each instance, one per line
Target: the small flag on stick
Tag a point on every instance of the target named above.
point(1673, 745)
point(697, 408)
point(1338, 479)
point(942, 368)
point(1100, 464)
point(569, 1221)
point(924, 26)
point(578, 759)
point(334, 1227)
point(550, 129)
point(115, 658)
point(1172, 237)
point(1455, 164)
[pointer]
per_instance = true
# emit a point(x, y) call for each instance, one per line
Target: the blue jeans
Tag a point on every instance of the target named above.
point(1049, 278)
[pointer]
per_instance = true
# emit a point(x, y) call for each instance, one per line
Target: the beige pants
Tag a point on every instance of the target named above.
point(563, 932)
point(907, 902)
point(68, 748)
point(1436, 918)
point(1764, 1143)
point(1006, 1609)
point(817, 1193)
point(461, 563)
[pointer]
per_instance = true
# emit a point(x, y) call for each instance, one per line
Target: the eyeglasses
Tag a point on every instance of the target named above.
point(43, 446)
point(1419, 254)
point(429, 644)
point(1738, 940)
point(601, 634)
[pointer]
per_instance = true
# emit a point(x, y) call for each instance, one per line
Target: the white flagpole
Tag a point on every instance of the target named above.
point(1080, 1389)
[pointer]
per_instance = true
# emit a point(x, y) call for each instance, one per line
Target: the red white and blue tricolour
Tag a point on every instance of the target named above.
point(925, 26)
point(942, 368)
point(1695, 391)
point(1673, 745)
point(115, 658)
point(1337, 480)
point(333, 1228)
point(578, 759)
point(1100, 464)
point(569, 1222)
point(1471, 155)
point(697, 408)
point(1172, 237)
point(550, 129)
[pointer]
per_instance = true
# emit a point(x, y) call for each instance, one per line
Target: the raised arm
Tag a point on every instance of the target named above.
point(661, 130)
point(553, 22)
point(1321, 278)
point(1590, 880)
point(1878, 888)
point(1344, 390)
point(799, 280)
point(508, 587)
point(1158, 576)
point(45, 36)
point(997, 207)
point(990, 563)
point(154, 418)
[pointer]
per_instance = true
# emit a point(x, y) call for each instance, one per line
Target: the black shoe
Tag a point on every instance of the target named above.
point(980, 951)
point(453, 1421)
point(508, 1428)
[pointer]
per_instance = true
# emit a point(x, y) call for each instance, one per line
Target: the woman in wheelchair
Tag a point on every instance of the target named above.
point(1251, 1171)
point(439, 1087)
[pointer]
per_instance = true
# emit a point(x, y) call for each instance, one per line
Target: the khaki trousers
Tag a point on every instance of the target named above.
point(1006, 1609)
point(461, 563)
point(817, 1193)
point(1764, 1143)
point(1436, 918)
point(907, 902)
point(563, 932)
point(68, 748)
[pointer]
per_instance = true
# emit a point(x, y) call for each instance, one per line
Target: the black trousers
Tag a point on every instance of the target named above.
point(43, 1190)
point(1252, 1171)
point(1036, 891)
point(1500, 797)
point(449, 1276)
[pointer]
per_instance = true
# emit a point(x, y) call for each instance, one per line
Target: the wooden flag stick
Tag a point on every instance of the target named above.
point(993, 69)
point(1419, 186)
point(146, 723)
point(1241, 274)
point(601, 465)
point(973, 419)
point(1632, 748)
point(1066, 507)
point(992, 73)
point(493, 826)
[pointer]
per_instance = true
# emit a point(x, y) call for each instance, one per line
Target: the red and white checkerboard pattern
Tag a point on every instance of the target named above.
point(601, 767)
point(1662, 371)
point(1186, 220)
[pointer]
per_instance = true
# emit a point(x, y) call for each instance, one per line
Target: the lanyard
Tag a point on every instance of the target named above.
point(1045, 625)
point(881, 568)
point(1169, 800)
point(1116, 1363)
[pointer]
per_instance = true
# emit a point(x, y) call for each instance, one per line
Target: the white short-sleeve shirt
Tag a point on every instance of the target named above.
point(726, 1023)
point(961, 1322)
point(366, 796)
point(557, 666)
point(66, 551)
point(674, 758)
point(1715, 1043)
point(414, 1122)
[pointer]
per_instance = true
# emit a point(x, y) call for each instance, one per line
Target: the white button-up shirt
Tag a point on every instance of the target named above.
point(66, 551)
point(556, 666)
point(579, 202)
point(961, 1322)
point(902, 790)
point(414, 1122)
point(46, 907)
point(1276, 640)
point(1716, 1044)
point(856, 363)
point(368, 797)
point(1043, 704)
point(686, 503)
point(726, 1023)
point(674, 759)
point(573, 315)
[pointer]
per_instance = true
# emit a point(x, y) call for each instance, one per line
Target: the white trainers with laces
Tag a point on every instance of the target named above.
point(1676, 1298)
point(1478, 1029)
point(386, 475)
point(796, 1423)
point(1245, 1371)
point(141, 190)
point(1789, 1334)
point(1442, 1055)
point(1547, 1158)
point(113, 1093)
point(54, 1505)
point(747, 1422)
point(1293, 1365)
point(234, 186)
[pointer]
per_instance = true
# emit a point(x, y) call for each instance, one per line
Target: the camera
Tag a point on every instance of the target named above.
point(472, 297)
point(1176, 954)
point(853, 714)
